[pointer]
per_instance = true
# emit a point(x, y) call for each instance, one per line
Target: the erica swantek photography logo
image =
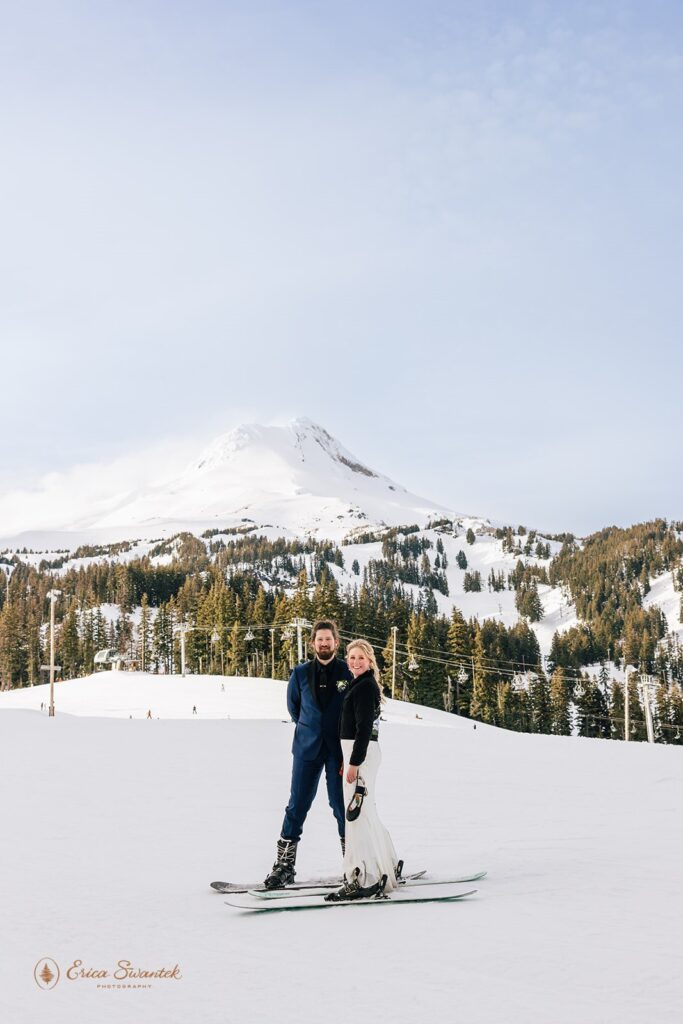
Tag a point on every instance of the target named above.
point(124, 974)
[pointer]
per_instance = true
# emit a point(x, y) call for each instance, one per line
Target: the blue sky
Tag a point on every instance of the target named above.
point(449, 232)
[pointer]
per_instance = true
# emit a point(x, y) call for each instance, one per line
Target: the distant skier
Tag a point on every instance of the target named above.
point(194, 710)
point(149, 713)
point(314, 699)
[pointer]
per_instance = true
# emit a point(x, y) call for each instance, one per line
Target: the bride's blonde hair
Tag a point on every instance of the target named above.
point(369, 652)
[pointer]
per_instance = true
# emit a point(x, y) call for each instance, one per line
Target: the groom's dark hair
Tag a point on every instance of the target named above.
point(325, 624)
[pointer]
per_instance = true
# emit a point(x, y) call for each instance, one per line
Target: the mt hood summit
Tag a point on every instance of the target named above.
point(295, 480)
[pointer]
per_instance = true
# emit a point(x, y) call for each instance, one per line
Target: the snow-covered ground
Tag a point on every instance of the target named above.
point(112, 829)
point(663, 594)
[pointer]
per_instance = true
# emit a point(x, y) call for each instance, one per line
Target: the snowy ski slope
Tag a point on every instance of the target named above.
point(112, 829)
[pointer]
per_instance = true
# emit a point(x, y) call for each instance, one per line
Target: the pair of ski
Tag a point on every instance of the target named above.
point(311, 894)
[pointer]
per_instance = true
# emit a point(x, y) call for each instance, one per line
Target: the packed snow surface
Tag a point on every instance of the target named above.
point(113, 827)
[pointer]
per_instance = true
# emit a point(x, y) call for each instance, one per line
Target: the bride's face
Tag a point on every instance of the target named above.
point(357, 661)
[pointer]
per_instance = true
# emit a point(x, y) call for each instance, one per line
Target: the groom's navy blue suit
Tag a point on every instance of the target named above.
point(316, 746)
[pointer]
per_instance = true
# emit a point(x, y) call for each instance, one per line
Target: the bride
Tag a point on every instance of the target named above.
point(370, 853)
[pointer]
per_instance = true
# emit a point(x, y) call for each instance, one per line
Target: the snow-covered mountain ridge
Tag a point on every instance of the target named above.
point(297, 479)
point(299, 483)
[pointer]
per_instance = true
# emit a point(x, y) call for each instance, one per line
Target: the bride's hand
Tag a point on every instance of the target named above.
point(352, 773)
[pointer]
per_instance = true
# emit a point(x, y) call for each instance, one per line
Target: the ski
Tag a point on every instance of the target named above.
point(333, 882)
point(247, 901)
point(409, 881)
point(313, 883)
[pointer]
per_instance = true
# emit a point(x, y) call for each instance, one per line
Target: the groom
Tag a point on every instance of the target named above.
point(314, 698)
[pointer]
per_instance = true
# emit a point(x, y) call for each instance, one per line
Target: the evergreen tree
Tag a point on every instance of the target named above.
point(472, 582)
point(560, 695)
point(592, 716)
point(616, 710)
point(88, 649)
point(145, 636)
point(326, 603)
point(540, 704)
point(411, 668)
point(387, 658)
point(485, 699)
point(675, 733)
point(528, 602)
point(459, 641)
point(301, 606)
point(69, 643)
point(13, 659)
point(162, 639)
point(237, 650)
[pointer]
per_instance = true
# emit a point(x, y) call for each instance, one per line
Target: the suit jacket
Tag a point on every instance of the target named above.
point(314, 727)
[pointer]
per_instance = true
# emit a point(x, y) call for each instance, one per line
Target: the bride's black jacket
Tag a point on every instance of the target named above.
point(360, 709)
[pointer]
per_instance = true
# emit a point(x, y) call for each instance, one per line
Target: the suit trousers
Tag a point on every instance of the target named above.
point(305, 778)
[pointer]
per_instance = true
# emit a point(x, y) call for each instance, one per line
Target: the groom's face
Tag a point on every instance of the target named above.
point(324, 644)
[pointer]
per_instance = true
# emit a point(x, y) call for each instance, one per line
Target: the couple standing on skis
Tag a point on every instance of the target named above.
point(335, 706)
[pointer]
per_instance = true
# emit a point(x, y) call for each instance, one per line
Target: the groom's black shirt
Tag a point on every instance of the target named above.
point(325, 679)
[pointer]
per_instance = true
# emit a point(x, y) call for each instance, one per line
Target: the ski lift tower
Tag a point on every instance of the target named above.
point(648, 685)
point(53, 595)
point(300, 624)
point(182, 629)
point(448, 695)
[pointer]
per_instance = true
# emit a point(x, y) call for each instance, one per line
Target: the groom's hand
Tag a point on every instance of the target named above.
point(352, 773)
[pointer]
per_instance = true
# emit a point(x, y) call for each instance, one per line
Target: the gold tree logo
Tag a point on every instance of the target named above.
point(46, 973)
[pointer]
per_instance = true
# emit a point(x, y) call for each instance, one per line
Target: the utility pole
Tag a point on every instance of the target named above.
point(394, 630)
point(272, 653)
point(53, 595)
point(627, 724)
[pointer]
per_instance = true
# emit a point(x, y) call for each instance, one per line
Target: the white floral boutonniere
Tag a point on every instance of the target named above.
point(341, 685)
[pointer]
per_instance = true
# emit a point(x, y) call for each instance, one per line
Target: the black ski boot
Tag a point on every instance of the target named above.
point(282, 873)
point(353, 890)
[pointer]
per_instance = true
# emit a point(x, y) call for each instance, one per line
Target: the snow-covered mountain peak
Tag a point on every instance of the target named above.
point(223, 448)
point(301, 441)
point(296, 479)
point(307, 431)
